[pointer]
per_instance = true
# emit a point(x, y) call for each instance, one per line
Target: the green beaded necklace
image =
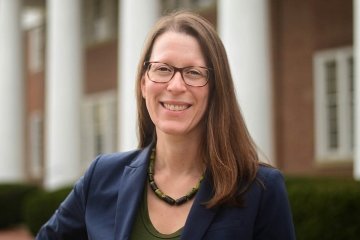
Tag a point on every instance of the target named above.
point(163, 196)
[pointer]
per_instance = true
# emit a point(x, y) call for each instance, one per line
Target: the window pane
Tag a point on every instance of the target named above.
point(332, 105)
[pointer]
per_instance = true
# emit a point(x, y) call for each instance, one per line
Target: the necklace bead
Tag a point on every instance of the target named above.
point(169, 200)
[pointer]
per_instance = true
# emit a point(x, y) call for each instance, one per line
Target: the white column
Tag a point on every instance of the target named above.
point(136, 19)
point(11, 92)
point(63, 92)
point(357, 89)
point(244, 28)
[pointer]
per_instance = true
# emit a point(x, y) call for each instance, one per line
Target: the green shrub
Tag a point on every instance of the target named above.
point(325, 209)
point(38, 208)
point(12, 196)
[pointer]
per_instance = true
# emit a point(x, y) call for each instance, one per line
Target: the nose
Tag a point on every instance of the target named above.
point(176, 83)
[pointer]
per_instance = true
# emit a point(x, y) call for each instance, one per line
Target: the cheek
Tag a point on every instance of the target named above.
point(206, 103)
point(205, 99)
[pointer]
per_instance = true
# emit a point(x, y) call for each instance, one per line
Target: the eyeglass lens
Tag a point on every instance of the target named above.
point(162, 73)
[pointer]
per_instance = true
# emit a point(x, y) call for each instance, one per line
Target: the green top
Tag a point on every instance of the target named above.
point(143, 228)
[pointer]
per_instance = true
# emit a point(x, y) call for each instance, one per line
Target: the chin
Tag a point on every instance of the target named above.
point(173, 130)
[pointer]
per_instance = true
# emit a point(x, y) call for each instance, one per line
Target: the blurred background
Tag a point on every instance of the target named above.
point(67, 77)
point(68, 69)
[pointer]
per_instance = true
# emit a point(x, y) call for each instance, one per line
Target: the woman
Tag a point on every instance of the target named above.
point(196, 174)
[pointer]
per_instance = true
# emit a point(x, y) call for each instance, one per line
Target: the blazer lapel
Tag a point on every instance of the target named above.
point(199, 217)
point(131, 188)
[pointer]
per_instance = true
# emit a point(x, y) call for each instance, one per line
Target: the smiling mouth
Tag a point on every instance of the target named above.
point(175, 107)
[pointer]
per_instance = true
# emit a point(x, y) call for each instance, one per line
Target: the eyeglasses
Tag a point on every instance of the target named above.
point(162, 73)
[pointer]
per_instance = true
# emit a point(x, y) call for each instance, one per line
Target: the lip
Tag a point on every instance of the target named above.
point(175, 106)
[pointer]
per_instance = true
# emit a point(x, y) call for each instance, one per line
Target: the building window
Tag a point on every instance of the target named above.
point(334, 105)
point(100, 20)
point(331, 92)
point(99, 125)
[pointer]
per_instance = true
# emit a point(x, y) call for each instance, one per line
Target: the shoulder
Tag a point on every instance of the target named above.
point(106, 171)
point(269, 190)
point(268, 186)
point(120, 159)
point(113, 164)
point(269, 175)
point(274, 218)
point(270, 182)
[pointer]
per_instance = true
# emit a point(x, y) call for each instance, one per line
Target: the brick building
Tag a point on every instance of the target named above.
point(292, 63)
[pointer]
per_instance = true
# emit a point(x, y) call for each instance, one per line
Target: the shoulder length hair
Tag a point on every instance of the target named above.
point(228, 150)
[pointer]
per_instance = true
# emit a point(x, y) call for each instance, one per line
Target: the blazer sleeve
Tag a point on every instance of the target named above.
point(68, 221)
point(274, 220)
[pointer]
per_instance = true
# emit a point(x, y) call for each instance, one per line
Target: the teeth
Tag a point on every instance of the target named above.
point(175, 107)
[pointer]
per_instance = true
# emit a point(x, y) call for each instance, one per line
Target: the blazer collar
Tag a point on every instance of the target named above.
point(130, 192)
point(199, 214)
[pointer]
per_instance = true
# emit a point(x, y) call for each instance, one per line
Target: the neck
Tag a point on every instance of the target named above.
point(179, 156)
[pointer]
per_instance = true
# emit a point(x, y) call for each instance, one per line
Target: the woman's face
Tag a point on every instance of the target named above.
point(174, 107)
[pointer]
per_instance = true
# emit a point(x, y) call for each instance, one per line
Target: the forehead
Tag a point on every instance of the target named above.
point(176, 47)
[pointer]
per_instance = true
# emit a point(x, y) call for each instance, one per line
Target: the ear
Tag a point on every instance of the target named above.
point(143, 92)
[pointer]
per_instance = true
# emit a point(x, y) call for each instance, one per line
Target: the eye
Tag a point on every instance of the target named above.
point(194, 73)
point(161, 68)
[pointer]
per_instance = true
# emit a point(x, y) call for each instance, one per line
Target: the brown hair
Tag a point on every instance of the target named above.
point(228, 149)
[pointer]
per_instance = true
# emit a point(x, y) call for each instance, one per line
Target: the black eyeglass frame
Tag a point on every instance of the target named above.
point(176, 69)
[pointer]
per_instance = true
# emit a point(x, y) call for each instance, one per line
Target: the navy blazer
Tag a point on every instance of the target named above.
point(104, 202)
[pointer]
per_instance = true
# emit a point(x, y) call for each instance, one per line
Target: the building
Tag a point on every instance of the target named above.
point(67, 71)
